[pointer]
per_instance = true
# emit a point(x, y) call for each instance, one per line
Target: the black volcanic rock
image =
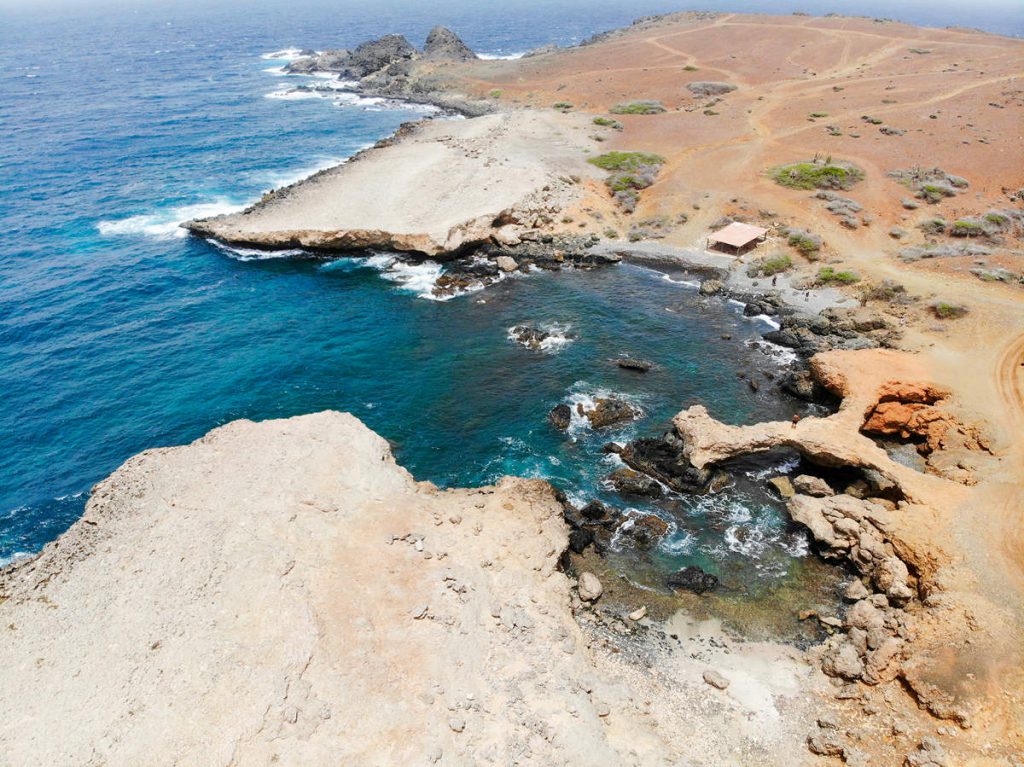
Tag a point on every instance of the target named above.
point(692, 579)
point(444, 44)
point(374, 55)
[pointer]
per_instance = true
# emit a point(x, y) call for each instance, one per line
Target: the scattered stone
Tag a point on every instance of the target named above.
point(529, 336)
point(783, 485)
point(929, 754)
point(826, 743)
point(589, 587)
point(456, 724)
point(805, 484)
point(506, 264)
point(855, 591)
point(638, 614)
point(715, 679)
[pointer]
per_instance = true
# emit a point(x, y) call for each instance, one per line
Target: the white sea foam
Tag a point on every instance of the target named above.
point(501, 56)
point(583, 394)
point(557, 339)
point(782, 354)
point(775, 470)
point(297, 94)
point(255, 254)
point(277, 71)
point(684, 283)
point(166, 222)
point(418, 278)
point(285, 54)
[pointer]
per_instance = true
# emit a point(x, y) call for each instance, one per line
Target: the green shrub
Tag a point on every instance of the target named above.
point(818, 115)
point(828, 276)
point(817, 175)
point(626, 161)
point(497, 93)
point(768, 267)
point(967, 228)
point(933, 226)
point(564, 106)
point(607, 122)
point(638, 108)
point(690, 68)
point(947, 311)
point(887, 290)
point(806, 243)
point(997, 219)
point(934, 193)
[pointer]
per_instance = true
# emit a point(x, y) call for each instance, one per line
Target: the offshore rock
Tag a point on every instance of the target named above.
point(444, 44)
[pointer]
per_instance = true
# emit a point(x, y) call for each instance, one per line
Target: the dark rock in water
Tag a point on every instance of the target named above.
point(692, 579)
point(374, 55)
point(663, 460)
point(645, 529)
point(579, 539)
point(632, 482)
point(530, 337)
point(595, 511)
point(560, 416)
point(609, 411)
point(444, 44)
point(631, 363)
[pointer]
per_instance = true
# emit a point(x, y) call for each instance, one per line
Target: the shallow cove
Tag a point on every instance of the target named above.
point(462, 403)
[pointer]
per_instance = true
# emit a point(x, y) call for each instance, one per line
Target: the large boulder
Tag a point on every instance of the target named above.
point(444, 44)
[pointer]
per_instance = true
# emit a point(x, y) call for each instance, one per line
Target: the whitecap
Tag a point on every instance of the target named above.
point(166, 222)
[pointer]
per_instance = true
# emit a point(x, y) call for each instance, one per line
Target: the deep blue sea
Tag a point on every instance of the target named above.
point(118, 333)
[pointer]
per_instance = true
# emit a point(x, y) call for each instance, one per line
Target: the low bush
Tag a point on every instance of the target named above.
point(607, 122)
point(887, 290)
point(933, 226)
point(769, 267)
point(817, 175)
point(563, 106)
point(828, 276)
point(967, 227)
point(948, 311)
point(806, 243)
point(626, 161)
point(638, 108)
